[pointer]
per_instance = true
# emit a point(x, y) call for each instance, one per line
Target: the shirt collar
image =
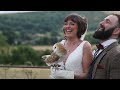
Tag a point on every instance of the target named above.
point(108, 42)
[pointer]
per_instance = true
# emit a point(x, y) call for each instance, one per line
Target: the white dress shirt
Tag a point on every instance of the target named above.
point(105, 45)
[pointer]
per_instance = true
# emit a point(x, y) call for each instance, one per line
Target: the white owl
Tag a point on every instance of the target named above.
point(56, 56)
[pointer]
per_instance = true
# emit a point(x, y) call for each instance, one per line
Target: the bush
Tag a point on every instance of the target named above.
point(89, 38)
point(22, 55)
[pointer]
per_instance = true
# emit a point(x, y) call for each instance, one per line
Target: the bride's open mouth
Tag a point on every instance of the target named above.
point(68, 30)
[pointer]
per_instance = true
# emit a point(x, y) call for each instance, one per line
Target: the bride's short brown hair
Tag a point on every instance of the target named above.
point(81, 22)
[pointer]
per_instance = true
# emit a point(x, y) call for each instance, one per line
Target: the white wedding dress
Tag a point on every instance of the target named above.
point(74, 60)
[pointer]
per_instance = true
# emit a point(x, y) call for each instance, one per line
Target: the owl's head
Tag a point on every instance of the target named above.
point(59, 49)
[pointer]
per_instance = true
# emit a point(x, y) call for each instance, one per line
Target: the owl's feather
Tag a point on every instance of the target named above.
point(59, 49)
point(56, 56)
point(50, 58)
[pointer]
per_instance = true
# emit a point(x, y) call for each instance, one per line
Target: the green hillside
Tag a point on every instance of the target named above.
point(42, 22)
point(38, 27)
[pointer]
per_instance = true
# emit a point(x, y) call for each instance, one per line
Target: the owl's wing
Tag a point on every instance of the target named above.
point(50, 58)
point(45, 56)
point(53, 57)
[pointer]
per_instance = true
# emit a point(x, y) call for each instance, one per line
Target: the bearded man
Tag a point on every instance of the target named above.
point(106, 61)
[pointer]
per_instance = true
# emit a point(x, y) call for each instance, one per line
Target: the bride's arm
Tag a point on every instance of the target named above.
point(87, 59)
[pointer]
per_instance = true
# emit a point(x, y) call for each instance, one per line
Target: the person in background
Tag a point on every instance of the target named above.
point(79, 52)
point(106, 62)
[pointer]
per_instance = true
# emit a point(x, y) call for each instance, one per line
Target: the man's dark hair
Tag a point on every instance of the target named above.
point(118, 16)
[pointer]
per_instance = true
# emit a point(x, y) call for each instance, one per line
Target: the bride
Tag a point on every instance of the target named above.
point(79, 52)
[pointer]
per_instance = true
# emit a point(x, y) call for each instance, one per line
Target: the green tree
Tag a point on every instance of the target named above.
point(23, 54)
point(89, 37)
point(12, 37)
point(3, 40)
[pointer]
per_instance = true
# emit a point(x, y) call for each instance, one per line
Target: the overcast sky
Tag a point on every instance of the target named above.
point(5, 12)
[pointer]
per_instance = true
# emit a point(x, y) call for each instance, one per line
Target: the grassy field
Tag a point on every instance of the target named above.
point(24, 73)
point(27, 73)
point(38, 48)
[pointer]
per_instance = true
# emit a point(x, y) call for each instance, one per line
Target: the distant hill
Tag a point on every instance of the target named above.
point(43, 27)
point(109, 12)
point(43, 22)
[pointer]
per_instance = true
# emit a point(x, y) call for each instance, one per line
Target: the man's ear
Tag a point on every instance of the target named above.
point(116, 31)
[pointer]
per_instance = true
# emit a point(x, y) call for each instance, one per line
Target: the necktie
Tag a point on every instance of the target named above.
point(99, 46)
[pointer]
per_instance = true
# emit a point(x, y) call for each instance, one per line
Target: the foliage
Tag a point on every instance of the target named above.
point(12, 37)
point(89, 38)
point(22, 55)
point(22, 28)
point(3, 40)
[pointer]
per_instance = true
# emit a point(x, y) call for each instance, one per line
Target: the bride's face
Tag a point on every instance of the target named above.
point(70, 28)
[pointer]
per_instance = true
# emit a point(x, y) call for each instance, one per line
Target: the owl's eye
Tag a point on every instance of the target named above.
point(55, 47)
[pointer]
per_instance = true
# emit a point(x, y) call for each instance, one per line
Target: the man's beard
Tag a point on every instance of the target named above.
point(103, 34)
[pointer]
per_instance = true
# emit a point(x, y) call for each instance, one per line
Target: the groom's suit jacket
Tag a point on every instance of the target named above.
point(107, 65)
